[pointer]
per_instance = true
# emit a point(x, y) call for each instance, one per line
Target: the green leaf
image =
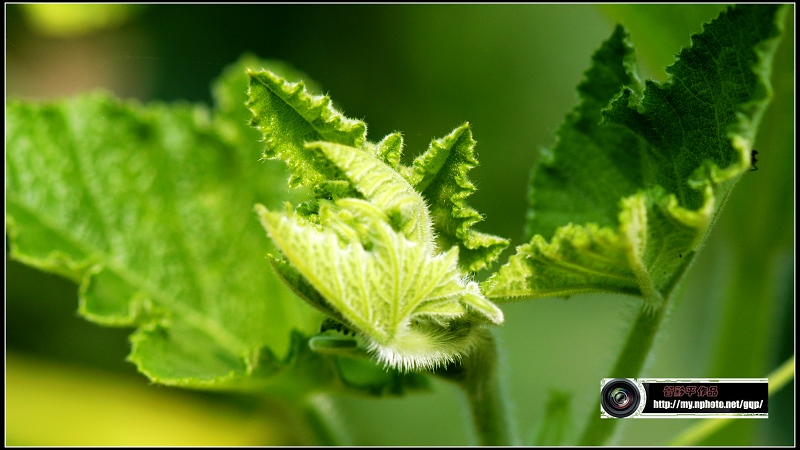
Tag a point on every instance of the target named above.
point(373, 262)
point(289, 115)
point(230, 94)
point(660, 29)
point(138, 205)
point(389, 150)
point(628, 193)
point(440, 174)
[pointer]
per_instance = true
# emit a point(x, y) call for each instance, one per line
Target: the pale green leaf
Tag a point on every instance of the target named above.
point(230, 94)
point(288, 115)
point(628, 193)
point(383, 188)
point(389, 150)
point(382, 275)
point(375, 253)
point(136, 203)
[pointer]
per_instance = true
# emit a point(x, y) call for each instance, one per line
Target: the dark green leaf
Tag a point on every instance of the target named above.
point(630, 190)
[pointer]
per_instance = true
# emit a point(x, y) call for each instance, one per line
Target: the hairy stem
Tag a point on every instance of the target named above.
point(321, 418)
point(477, 376)
point(310, 421)
point(629, 364)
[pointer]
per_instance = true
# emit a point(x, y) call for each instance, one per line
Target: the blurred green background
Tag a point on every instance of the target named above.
point(511, 71)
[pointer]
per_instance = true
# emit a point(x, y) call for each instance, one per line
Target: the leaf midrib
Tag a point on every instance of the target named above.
point(320, 136)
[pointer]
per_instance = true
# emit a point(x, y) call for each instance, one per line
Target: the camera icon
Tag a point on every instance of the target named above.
point(621, 397)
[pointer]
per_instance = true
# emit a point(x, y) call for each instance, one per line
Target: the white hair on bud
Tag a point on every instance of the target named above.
point(418, 348)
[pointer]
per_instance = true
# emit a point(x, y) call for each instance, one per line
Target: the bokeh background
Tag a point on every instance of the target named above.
point(511, 71)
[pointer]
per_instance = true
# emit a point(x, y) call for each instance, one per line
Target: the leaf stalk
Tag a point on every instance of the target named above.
point(477, 375)
point(629, 364)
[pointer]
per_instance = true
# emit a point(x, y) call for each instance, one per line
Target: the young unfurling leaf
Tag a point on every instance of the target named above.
point(380, 247)
point(440, 174)
point(383, 277)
